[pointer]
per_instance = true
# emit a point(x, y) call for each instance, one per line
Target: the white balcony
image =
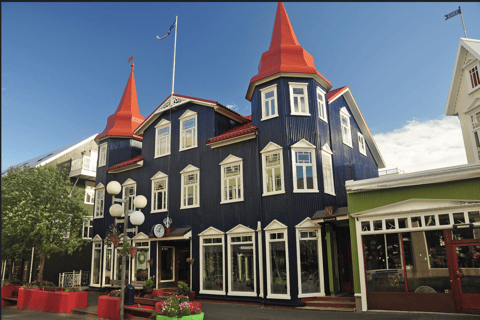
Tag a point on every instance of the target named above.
point(84, 168)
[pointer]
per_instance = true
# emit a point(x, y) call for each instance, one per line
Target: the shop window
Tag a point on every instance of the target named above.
point(437, 253)
point(402, 223)
point(212, 258)
point(377, 225)
point(365, 225)
point(430, 221)
point(389, 224)
point(466, 233)
point(309, 257)
point(242, 264)
point(458, 218)
point(278, 279)
point(474, 217)
point(468, 259)
point(96, 264)
point(416, 222)
point(108, 265)
point(140, 261)
point(444, 219)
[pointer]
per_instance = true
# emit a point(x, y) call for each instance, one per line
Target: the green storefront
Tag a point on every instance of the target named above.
point(416, 240)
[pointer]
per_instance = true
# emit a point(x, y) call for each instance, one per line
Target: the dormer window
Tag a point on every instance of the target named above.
point(345, 124)
point(188, 130)
point(162, 138)
point(322, 108)
point(269, 102)
point(298, 99)
point(474, 78)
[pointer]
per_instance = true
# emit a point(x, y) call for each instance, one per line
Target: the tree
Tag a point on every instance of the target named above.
point(40, 209)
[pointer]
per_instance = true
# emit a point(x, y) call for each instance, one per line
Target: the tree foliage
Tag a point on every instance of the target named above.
point(37, 211)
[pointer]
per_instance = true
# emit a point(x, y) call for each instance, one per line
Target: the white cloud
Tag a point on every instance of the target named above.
point(423, 145)
point(234, 107)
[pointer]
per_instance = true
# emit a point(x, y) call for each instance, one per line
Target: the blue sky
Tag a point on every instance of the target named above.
point(64, 65)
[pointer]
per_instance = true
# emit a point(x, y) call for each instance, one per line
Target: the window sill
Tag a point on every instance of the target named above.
point(190, 207)
point(268, 118)
point(188, 148)
point(278, 296)
point(273, 193)
point(99, 217)
point(159, 211)
point(242, 294)
point(300, 114)
point(311, 295)
point(470, 91)
point(306, 191)
point(330, 193)
point(232, 201)
point(162, 155)
point(212, 292)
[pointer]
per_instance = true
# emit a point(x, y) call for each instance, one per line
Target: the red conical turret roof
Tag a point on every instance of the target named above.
point(127, 117)
point(285, 53)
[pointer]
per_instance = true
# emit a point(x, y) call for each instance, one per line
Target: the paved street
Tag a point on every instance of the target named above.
point(223, 311)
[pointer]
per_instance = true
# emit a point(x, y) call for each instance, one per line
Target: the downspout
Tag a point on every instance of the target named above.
point(259, 228)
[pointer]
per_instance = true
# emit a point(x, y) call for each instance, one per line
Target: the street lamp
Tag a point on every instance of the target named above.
point(136, 218)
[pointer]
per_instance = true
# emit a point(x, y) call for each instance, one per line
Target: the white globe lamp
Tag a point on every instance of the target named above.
point(140, 202)
point(137, 218)
point(116, 210)
point(114, 187)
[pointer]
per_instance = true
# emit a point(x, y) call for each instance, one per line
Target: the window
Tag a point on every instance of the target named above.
point(108, 264)
point(242, 261)
point(269, 102)
point(278, 275)
point(96, 264)
point(117, 275)
point(89, 192)
point(322, 108)
point(212, 257)
point(272, 161)
point(304, 167)
point(102, 159)
point(362, 148)
point(232, 179)
point(129, 186)
point(141, 261)
point(345, 123)
point(188, 130)
point(159, 192)
point(327, 169)
point(474, 78)
point(87, 228)
point(99, 200)
point(190, 194)
point(162, 138)
point(298, 99)
point(475, 118)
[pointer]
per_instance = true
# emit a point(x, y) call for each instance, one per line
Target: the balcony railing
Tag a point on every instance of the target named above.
point(83, 166)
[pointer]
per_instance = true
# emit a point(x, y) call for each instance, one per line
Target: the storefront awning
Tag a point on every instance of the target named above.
point(331, 214)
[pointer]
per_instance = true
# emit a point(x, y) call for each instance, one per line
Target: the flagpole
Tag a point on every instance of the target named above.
point(174, 52)
point(461, 14)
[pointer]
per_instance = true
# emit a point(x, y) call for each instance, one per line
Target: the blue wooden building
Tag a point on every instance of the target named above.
point(258, 203)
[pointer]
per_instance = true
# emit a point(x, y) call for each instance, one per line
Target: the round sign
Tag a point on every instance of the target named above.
point(158, 230)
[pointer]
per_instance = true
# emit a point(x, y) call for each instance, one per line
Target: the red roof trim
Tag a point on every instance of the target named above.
point(331, 95)
point(126, 163)
point(234, 132)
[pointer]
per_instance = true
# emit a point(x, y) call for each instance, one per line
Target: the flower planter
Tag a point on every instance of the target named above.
point(108, 307)
point(8, 291)
point(190, 317)
point(115, 240)
point(49, 301)
point(132, 251)
point(54, 289)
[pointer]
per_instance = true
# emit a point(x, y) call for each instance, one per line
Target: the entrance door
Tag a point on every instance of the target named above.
point(466, 273)
point(166, 266)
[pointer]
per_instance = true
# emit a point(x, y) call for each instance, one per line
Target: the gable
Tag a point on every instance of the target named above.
point(275, 225)
point(163, 122)
point(271, 147)
point(307, 224)
point(211, 231)
point(140, 236)
point(129, 182)
point(303, 144)
point(189, 168)
point(231, 159)
point(159, 175)
point(240, 229)
point(187, 114)
point(100, 186)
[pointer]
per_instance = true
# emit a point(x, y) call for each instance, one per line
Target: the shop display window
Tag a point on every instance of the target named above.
point(141, 264)
point(212, 264)
point(242, 264)
point(108, 263)
point(310, 281)
point(466, 234)
point(96, 263)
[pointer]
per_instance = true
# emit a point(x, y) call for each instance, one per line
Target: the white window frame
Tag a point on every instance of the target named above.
point(231, 161)
point(475, 129)
point(102, 158)
point(212, 233)
point(472, 71)
point(304, 146)
point(117, 257)
point(362, 147)
point(105, 248)
point(164, 138)
point(308, 225)
point(140, 241)
point(277, 227)
point(99, 201)
point(263, 92)
point(158, 177)
point(270, 149)
point(129, 183)
point(89, 192)
point(188, 115)
point(322, 105)
point(87, 223)
point(189, 170)
point(346, 129)
point(242, 231)
point(97, 245)
point(327, 171)
point(298, 85)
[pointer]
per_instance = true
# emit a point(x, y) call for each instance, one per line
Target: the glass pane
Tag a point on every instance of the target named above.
point(188, 124)
point(242, 268)
point(166, 264)
point(309, 266)
point(141, 268)
point(377, 225)
point(212, 268)
point(108, 265)
point(96, 266)
point(374, 250)
point(300, 177)
point(416, 222)
point(474, 216)
point(303, 157)
point(269, 94)
point(444, 219)
point(302, 105)
point(402, 223)
point(429, 221)
point(407, 250)
point(309, 173)
point(468, 258)
point(365, 225)
point(278, 180)
point(295, 104)
point(465, 233)
point(458, 218)
point(267, 109)
point(118, 266)
point(297, 90)
point(390, 224)
point(278, 268)
point(272, 106)
point(422, 278)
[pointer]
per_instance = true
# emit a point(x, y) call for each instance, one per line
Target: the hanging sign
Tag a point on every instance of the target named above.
point(167, 222)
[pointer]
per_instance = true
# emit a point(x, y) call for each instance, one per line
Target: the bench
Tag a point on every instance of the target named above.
point(11, 299)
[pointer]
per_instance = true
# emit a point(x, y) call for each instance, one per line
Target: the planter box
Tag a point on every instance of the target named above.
point(58, 302)
point(7, 292)
point(108, 307)
point(190, 317)
point(54, 289)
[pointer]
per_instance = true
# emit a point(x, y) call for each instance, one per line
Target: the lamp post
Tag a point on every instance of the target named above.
point(136, 218)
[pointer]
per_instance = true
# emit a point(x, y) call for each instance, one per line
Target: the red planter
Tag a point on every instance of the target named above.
point(108, 307)
point(58, 302)
point(7, 293)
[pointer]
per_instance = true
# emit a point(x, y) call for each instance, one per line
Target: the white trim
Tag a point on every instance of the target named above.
point(327, 170)
point(262, 93)
point(212, 233)
point(261, 257)
point(277, 227)
point(89, 220)
point(322, 106)
point(162, 125)
point(305, 147)
point(96, 243)
point(233, 140)
point(100, 188)
point(102, 156)
point(270, 149)
point(158, 177)
point(298, 85)
point(190, 170)
point(112, 264)
point(346, 136)
point(231, 161)
point(188, 115)
point(361, 264)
